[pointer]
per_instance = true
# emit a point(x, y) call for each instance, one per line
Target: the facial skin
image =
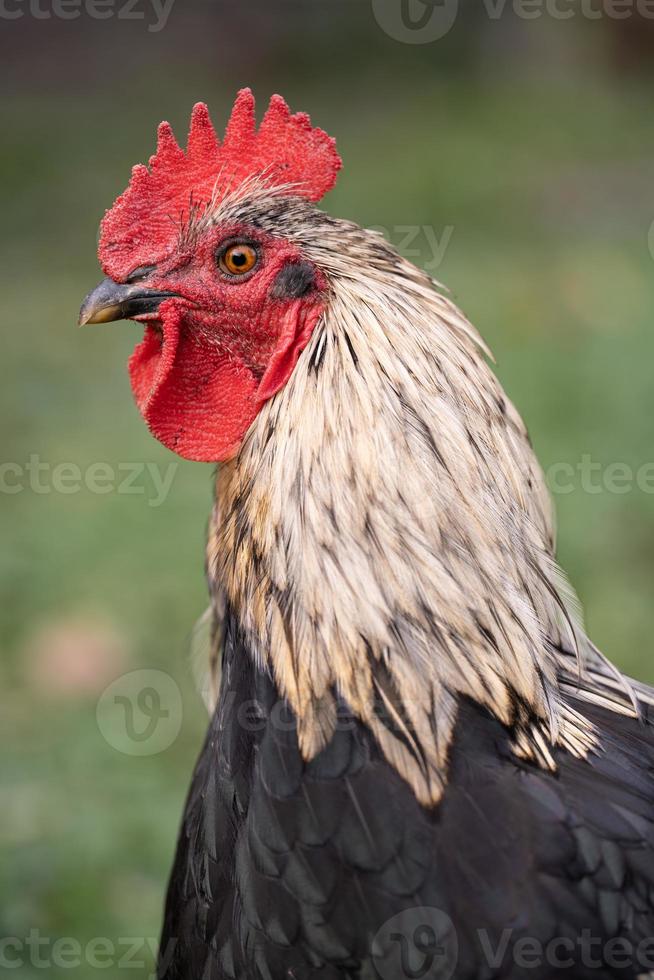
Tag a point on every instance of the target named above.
point(226, 317)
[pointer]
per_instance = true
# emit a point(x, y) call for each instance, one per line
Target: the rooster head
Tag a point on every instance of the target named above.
point(227, 305)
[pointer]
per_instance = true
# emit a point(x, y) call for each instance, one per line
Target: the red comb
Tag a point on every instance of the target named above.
point(286, 149)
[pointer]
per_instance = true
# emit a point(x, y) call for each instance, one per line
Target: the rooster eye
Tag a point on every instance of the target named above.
point(237, 259)
point(137, 274)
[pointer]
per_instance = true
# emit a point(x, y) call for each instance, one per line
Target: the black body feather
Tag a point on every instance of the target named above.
point(332, 870)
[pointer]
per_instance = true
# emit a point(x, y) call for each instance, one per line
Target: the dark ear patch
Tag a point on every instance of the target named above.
point(293, 281)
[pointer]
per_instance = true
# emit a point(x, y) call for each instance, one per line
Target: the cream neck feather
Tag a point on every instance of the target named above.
point(385, 535)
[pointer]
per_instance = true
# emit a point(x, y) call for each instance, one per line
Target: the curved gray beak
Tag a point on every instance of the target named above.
point(114, 301)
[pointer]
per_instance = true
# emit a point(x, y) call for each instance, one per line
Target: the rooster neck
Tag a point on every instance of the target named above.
point(384, 535)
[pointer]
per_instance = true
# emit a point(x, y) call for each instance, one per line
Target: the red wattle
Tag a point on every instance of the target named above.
point(297, 327)
point(197, 399)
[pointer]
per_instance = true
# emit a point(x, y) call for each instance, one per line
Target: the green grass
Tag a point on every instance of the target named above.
point(548, 256)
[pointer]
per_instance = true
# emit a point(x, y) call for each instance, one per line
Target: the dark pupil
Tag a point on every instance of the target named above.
point(239, 259)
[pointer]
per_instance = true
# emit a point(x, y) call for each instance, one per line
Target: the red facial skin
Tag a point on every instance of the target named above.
point(211, 358)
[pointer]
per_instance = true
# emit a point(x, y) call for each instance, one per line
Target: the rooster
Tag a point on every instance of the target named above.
point(418, 765)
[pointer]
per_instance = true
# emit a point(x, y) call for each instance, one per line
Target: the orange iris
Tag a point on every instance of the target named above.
point(238, 259)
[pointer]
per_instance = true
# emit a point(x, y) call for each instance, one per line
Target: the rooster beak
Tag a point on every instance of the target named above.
point(116, 301)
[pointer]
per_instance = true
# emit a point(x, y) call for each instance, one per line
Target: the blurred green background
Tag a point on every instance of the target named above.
point(524, 146)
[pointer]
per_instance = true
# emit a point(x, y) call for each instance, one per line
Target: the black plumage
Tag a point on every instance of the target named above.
point(332, 869)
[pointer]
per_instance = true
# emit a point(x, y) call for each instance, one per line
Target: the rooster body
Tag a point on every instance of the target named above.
point(332, 869)
point(417, 763)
